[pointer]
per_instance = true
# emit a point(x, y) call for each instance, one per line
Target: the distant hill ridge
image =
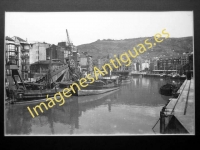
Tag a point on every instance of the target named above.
point(171, 47)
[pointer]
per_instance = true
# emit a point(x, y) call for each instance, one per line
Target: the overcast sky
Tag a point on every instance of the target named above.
point(87, 27)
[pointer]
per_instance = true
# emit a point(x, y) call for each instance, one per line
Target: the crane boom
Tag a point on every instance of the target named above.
point(68, 41)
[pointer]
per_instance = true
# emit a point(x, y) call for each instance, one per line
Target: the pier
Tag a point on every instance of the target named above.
point(178, 116)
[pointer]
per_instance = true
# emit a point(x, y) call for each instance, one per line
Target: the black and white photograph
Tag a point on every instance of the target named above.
point(99, 73)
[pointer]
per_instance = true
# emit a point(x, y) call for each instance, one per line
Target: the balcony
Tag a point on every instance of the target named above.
point(25, 63)
point(24, 50)
point(25, 56)
point(25, 70)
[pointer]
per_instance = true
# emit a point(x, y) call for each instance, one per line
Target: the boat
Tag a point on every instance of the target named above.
point(33, 91)
point(169, 75)
point(183, 77)
point(98, 87)
point(166, 89)
point(20, 91)
point(162, 75)
point(125, 79)
point(91, 98)
point(170, 89)
point(36, 94)
point(98, 90)
point(176, 75)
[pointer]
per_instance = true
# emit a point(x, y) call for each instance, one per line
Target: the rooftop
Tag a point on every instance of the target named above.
point(47, 62)
point(20, 39)
point(9, 39)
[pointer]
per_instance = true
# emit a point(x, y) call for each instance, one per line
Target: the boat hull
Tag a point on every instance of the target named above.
point(163, 76)
point(31, 95)
point(101, 90)
point(91, 98)
point(126, 81)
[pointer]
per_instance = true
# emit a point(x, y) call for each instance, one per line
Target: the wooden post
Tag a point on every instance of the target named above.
point(162, 121)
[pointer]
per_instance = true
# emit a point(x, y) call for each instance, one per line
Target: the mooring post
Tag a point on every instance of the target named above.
point(162, 121)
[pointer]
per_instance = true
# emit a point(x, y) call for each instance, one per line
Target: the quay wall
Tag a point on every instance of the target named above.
point(178, 115)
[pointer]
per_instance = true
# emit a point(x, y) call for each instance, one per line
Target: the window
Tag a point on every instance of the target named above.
point(26, 47)
point(11, 47)
point(26, 76)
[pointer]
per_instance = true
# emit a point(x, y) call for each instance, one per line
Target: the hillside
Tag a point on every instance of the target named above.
point(169, 47)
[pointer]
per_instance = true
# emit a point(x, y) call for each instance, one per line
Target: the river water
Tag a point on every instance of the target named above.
point(133, 109)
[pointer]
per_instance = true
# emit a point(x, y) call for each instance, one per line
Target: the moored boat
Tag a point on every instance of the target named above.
point(183, 76)
point(90, 98)
point(98, 90)
point(21, 95)
point(125, 79)
point(169, 75)
point(176, 75)
point(162, 75)
point(166, 89)
point(98, 87)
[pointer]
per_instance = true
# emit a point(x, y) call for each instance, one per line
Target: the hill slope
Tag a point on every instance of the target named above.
point(169, 47)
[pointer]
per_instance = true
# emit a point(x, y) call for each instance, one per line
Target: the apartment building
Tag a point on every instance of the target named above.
point(24, 56)
point(38, 52)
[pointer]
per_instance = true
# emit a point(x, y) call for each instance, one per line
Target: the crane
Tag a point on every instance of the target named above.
point(68, 42)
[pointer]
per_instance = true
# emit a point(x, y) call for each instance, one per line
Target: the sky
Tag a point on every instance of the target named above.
point(88, 27)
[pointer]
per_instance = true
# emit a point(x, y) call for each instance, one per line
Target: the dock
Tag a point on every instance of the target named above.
point(178, 116)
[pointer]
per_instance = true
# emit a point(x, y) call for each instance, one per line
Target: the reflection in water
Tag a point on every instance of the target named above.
point(131, 110)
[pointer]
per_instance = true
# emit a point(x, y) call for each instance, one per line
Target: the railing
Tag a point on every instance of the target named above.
point(25, 50)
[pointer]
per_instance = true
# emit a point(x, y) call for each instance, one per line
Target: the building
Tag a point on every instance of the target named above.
point(11, 49)
point(51, 52)
point(38, 52)
point(99, 63)
point(175, 63)
point(138, 66)
point(90, 64)
point(145, 65)
point(63, 52)
point(155, 62)
point(83, 65)
point(11, 64)
point(68, 54)
point(24, 54)
point(184, 60)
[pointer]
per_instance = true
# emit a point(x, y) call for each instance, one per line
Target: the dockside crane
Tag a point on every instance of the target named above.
point(72, 58)
point(69, 44)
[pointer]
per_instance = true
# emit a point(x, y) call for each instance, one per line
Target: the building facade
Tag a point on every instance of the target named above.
point(51, 52)
point(90, 64)
point(11, 50)
point(38, 52)
point(63, 52)
point(24, 55)
point(171, 63)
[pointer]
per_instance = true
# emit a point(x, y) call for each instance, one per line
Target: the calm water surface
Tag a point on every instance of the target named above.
point(133, 109)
